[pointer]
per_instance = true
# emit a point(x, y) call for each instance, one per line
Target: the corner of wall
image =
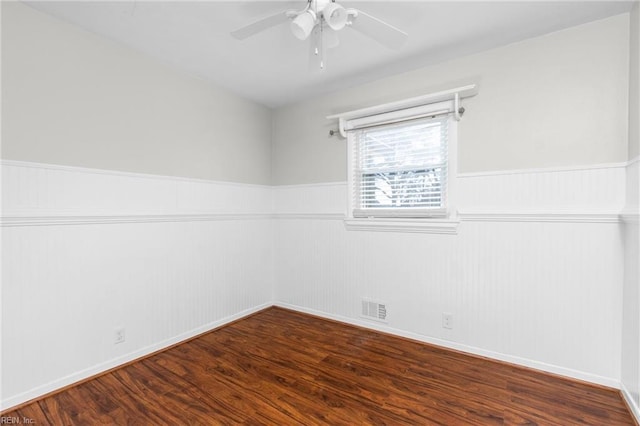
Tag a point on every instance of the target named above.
point(630, 351)
point(634, 82)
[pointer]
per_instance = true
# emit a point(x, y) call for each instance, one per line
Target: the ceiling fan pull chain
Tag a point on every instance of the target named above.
point(321, 47)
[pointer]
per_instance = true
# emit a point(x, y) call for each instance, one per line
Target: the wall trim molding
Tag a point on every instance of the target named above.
point(385, 225)
point(309, 216)
point(558, 216)
point(60, 167)
point(427, 226)
point(102, 368)
point(619, 165)
point(77, 169)
point(549, 368)
point(631, 217)
point(36, 217)
point(310, 185)
point(15, 221)
point(633, 405)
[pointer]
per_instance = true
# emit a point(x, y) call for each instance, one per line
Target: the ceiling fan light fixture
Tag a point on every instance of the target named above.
point(320, 21)
point(335, 16)
point(303, 24)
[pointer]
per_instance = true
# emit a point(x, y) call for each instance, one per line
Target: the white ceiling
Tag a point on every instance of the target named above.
point(272, 67)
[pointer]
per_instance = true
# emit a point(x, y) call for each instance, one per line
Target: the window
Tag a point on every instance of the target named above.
point(400, 165)
point(402, 159)
point(400, 169)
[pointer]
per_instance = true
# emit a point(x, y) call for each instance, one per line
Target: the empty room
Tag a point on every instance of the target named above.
point(320, 212)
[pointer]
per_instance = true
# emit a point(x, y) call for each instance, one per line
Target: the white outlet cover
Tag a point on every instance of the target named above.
point(447, 320)
point(119, 335)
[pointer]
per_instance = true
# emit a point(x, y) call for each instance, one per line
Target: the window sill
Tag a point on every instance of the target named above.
point(425, 226)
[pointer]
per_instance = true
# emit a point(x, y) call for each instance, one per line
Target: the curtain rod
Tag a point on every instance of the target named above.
point(461, 110)
point(454, 95)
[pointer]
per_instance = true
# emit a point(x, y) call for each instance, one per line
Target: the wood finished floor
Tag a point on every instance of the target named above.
point(280, 367)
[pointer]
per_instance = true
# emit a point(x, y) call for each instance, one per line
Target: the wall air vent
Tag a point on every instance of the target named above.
point(374, 310)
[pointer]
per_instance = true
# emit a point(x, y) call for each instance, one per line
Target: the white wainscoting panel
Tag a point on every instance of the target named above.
point(546, 293)
point(167, 258)
point(631, 292)
point(539, 292)
point(52, 190)
point(632, 198)
point(65, 289)
point(314, 199)
point(587, 188)
point(584, 194)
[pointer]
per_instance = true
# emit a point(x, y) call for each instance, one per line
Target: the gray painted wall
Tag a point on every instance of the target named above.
point(73, 98)
point(556, 100)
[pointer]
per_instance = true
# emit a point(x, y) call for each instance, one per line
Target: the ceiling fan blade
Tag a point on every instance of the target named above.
point(380, 31)
point(261, 25)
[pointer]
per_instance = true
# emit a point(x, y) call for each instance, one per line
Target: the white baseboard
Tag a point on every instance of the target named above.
point(132, 356)
point(633, 404)
point(562, 371)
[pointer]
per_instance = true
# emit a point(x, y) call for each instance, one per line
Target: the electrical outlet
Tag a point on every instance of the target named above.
point(447, 320)
point(118, 336)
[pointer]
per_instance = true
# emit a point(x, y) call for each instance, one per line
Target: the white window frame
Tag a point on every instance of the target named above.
point(440, 222)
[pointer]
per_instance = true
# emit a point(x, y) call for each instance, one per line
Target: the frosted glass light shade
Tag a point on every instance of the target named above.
point(335, 15)
point(303, 24)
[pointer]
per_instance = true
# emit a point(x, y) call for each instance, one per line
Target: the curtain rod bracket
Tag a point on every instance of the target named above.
point(340, 129)
point(341, 124)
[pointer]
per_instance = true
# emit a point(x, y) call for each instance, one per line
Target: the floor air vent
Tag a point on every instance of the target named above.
point(374, 310)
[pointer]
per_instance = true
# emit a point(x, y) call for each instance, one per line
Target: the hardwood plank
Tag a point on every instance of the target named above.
point(280, 367)
point(30, 413)
point(396, 391)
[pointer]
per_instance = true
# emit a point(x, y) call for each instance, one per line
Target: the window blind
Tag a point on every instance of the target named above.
point(401, 169)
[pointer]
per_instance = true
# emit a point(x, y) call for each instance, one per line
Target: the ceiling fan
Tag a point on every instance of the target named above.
point(320, 20)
